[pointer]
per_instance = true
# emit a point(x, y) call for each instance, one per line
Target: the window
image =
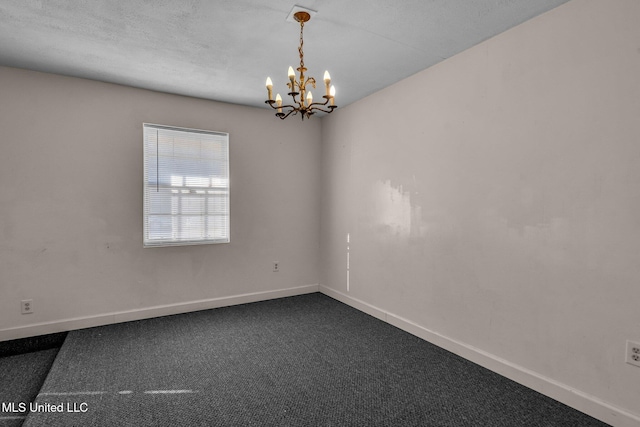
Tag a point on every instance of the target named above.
point(186, 186)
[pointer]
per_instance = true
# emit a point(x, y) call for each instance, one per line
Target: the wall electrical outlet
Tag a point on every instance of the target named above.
point(26, 306)
point(633, 353)
point(276, 266)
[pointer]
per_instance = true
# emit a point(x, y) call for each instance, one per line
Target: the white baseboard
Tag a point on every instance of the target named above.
point(581, 401)
point(563, 393)
point(146, 313)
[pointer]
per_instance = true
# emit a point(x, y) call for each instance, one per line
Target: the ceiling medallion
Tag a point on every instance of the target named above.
point(303, 105)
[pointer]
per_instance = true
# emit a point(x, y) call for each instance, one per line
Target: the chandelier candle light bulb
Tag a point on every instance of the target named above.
point(270, 88)
point(303, 105)
point(327, 81)
point(292, 77)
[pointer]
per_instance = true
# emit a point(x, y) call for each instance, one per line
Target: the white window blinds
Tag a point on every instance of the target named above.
point(186, 186)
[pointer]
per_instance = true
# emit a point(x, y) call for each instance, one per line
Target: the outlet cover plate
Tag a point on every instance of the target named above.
point(26, 306)
point(633, 353)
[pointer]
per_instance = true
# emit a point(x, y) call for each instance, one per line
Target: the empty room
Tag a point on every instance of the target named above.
point(320, 213)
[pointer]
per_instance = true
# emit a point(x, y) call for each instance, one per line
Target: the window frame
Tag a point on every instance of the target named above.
point(155, 243)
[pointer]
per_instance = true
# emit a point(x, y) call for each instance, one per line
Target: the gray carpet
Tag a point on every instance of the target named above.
point(21, 376)
point(299, 361)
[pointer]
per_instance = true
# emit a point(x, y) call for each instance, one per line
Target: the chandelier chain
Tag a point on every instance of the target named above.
point(301, 44)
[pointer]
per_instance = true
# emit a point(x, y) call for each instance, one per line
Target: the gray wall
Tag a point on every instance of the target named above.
point(71, 206)
point(493, 203)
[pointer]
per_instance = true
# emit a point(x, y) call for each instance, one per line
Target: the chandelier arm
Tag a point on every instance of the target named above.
point(271, 104)
point(290, 106)
point(293, 95)
point(326, 101)
point(283, 116)
point(332, 107)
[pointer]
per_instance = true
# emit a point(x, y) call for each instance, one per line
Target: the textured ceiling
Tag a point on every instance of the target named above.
point(224, 49)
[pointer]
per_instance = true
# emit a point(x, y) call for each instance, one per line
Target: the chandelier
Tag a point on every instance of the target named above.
point(303, 105)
